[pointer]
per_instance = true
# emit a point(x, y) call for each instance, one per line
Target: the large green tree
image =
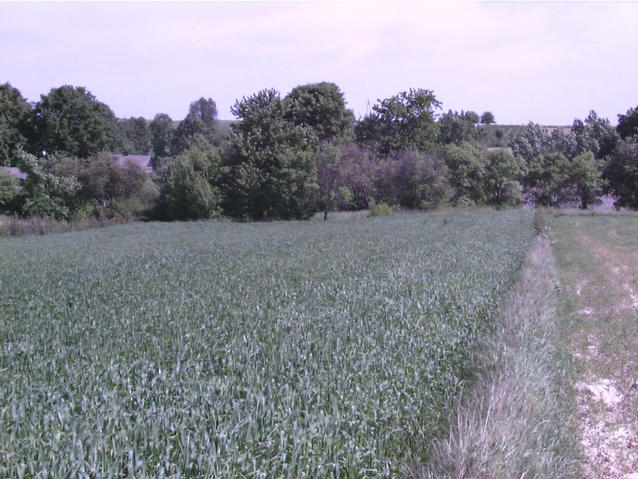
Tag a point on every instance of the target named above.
point(628, 124)
point(14, 118)
point(621, 173)
point(133, 136)
point(502, 174)
point(455, 127)
point(321, 107)
point(45, 192)
point(201, 120)
point(162, 131)
point(466, 173)
point(402, 122)
point(270, 160)
point(71, 120)
point(191, 190)
point(8, 189)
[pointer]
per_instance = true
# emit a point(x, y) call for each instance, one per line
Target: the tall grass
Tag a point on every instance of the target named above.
point(317, 349)
point(514, 421)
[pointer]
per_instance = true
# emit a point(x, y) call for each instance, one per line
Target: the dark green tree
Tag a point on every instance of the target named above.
point(71, 120)
point(628, 124)
point(15, 114)
point(322, 108)
point(502, 174)
point(8, 189)
point(455, 127)
point(190, 126)
point(595, 134)
point(133, 136)
point(402, 122)
point(621, 173)
point(271, 168)
point(531, 142)
point(466, 173)
point(583, 180)
point(102, 180)
point(191, 190)
point(487, 118)
point(45, 193)
point(545, 179)
point(162, 131)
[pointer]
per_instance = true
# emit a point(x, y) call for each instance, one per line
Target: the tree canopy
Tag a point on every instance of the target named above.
point(272, 173)
point(161, 135)
point(15, 114)
point(71, 120)
point(403, 121)
point(321, 107)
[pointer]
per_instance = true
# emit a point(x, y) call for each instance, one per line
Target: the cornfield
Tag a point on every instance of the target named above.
point(218, 349)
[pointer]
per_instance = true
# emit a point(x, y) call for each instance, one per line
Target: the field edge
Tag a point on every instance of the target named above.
point(513, 421)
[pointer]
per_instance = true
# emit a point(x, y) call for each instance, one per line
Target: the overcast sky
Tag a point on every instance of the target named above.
point(546, 62)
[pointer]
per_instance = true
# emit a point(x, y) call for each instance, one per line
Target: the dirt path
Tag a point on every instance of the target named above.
point(598, 261)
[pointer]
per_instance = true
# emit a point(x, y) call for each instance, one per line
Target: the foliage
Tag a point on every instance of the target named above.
point(413, 180)
point(401, 122)
point(545, 179)
point(531, 142)
point(322, 108)
point(628, 124)
point(329, 177)
point(487, 118)
point(189, 127)
point(70, 120)
point(271, 173)
point(232, 350)
point(358, 169)
point(583, 178)
point(15, 112)
point(104, 181)
point(621, 174)
point(132, 136)
point(502, 174)
point(595, 134)
point(44, 193)
point(191, 190)
point(466, 173)
point(8, 189)
point(201, 120)
point(380, 209)
point(161, 135)
point(457, 127)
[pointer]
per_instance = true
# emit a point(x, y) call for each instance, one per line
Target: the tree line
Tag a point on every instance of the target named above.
point(291, 156)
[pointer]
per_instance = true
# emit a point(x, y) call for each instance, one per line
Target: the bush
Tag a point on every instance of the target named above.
point(381, 209)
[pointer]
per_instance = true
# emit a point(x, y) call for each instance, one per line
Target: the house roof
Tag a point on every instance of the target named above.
point(14, 171)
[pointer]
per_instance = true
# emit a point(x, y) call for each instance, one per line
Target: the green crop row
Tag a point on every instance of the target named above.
point(299, 349)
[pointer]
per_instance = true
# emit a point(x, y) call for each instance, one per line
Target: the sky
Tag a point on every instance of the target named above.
point(547, 62)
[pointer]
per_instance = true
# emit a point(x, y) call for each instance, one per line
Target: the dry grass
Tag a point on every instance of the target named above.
point(511, 422)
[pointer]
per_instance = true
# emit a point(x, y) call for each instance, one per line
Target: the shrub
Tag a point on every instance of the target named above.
point(381, 209)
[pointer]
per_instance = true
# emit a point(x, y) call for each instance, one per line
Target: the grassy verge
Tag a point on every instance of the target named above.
point(511, 422)
point(598, 262)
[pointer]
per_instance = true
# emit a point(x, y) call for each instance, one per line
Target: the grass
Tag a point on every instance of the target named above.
point(598, 265)
point(315, 349)
point(511, 423)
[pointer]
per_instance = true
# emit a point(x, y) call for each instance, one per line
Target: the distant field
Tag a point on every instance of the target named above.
point(299, 349)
